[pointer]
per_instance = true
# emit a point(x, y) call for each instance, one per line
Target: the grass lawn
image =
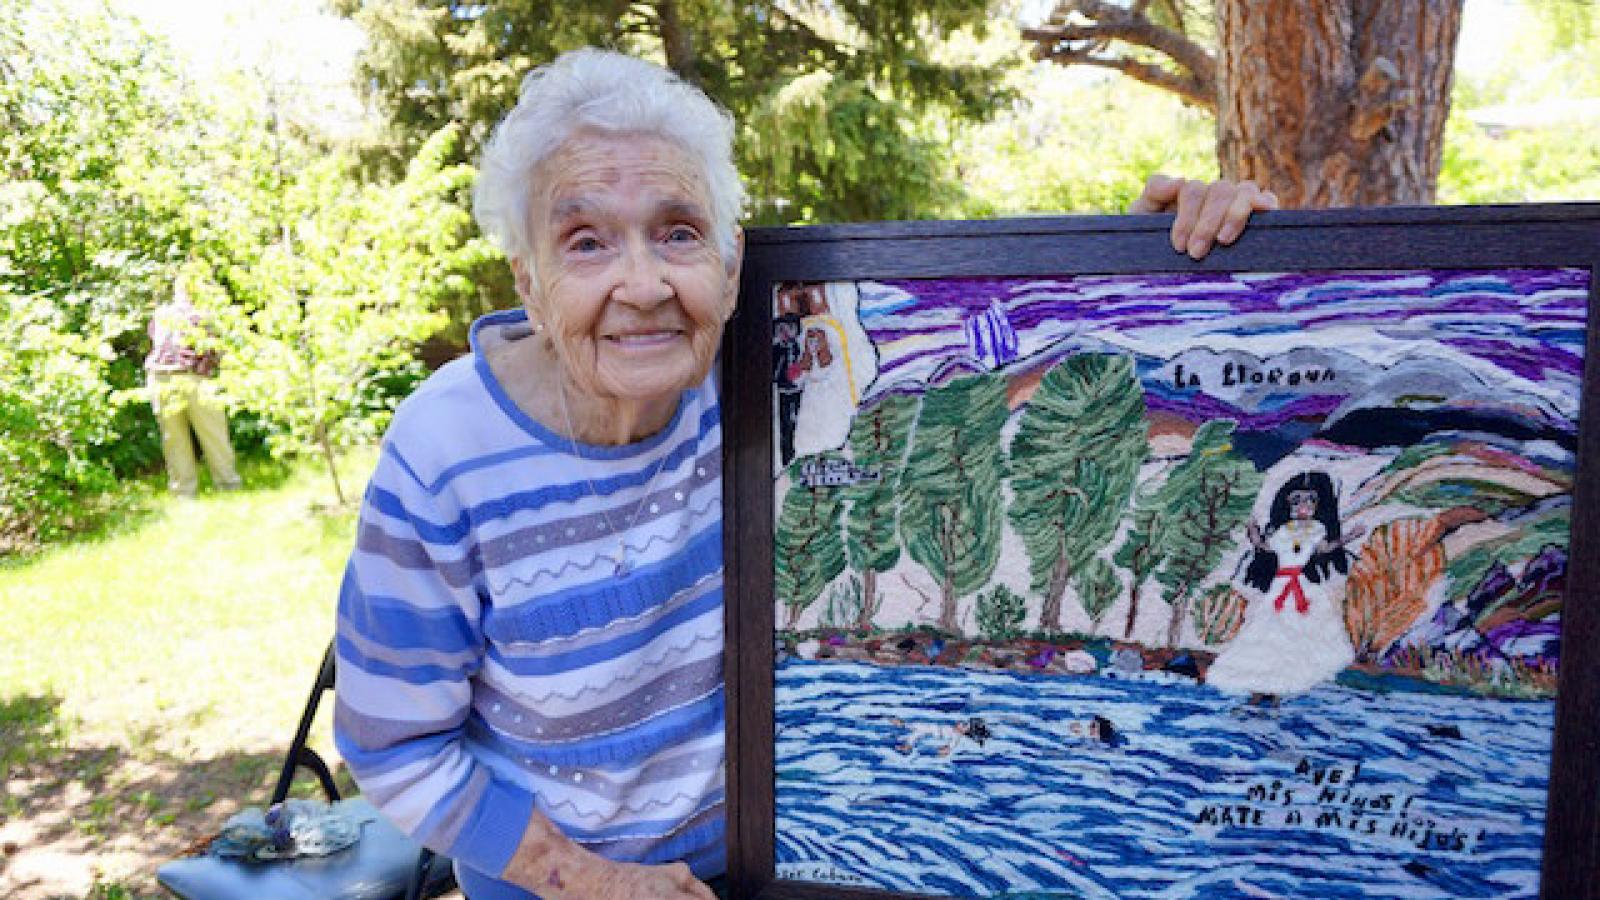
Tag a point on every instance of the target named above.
point(152, 675)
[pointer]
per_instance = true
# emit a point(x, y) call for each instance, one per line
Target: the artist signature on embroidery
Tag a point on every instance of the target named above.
point(820, 872)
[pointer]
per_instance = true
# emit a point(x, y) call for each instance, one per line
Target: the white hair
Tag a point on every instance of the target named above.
point(608, 92)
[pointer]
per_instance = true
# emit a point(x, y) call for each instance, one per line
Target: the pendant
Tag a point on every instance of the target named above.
point(621, 559)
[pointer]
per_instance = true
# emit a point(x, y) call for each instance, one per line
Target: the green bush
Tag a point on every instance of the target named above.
point(1000, 613)
point(56, 408)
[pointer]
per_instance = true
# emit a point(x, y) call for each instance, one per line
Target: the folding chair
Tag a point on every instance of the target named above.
point(384, 864)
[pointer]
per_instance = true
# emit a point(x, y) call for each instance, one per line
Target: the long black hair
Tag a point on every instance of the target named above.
point(1264, 566)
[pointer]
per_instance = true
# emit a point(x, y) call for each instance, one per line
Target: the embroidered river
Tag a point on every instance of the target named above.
point(1114, 787)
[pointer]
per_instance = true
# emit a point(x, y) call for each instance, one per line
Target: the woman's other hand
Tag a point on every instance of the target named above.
point(552, 866)
point(595, 878)
point(1208, 213)
point(627, 881)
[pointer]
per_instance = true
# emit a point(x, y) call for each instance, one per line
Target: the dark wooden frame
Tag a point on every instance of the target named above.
point(1395, 238)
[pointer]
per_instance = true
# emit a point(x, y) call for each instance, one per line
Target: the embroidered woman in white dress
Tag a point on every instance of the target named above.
point(1294, 636)
point(827, 405)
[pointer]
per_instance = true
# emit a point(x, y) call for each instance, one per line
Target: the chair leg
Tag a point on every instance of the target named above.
point(419, 875)
point(310, 759)
point(297, 746)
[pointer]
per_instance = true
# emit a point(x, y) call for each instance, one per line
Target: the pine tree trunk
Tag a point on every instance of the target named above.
point(1337, 102)
point(947, 604)
point(947, 582)
point(1180, 606)
point(1050, 614)
point(869, 592)
point(677, 41)
point(1138, 573)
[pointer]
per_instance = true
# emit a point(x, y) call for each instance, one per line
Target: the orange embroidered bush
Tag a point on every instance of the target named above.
point(1219, 614)
point(1388, 586)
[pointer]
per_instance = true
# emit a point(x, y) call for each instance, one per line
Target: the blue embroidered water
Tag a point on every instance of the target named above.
point(1336, 793)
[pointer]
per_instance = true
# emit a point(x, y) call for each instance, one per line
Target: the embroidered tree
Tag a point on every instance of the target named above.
point(1389, 583)
point(808, 551)
point(950, 490)
point(1000, 614)
point(1074, 460)
point(1140, 552)
point(1097, 588)
point(1207, 498)
point(878, 442)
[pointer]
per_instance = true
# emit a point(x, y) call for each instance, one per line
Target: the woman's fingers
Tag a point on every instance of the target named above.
point(1232, 220)
point(1221, 211)
point(1217, 200)
point(1208, 213)
point(692, 886)
point(1249, 199)
point(1191, 200)
point(1160, 192)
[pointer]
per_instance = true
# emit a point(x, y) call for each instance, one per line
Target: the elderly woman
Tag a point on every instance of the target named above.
point(530, 627)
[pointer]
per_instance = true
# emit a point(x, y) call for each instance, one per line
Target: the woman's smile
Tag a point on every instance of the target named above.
point(645, 340)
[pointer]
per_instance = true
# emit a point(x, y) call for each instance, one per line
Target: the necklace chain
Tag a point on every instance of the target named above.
point(621, 558)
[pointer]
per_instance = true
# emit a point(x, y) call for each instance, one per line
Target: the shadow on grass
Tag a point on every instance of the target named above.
point(65, 799)
point(30, 729)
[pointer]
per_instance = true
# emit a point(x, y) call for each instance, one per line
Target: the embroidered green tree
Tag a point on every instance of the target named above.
point(878, 439)
point(1140, 552)
point(1206, 498)
point(808, 550)
point(1000, 613)
point(1097, 587)
point(950, 504)
point(1073, 462)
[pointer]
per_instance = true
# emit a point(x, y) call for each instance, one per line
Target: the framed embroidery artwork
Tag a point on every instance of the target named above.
point(1060, 565)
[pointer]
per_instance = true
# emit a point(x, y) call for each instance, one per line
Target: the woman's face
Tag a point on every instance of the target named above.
point(1302, 504)
point(627, 282)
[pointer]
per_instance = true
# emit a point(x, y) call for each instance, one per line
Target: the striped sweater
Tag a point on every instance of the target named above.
point(492, 661)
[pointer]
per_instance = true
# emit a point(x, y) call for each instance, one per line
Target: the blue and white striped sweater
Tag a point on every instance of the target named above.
point(491, 662)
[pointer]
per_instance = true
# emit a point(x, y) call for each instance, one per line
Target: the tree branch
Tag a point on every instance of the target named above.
point(920, 592)
point(1191, 89)
point(798, 31)
point(677, 40)
point(1074, 40)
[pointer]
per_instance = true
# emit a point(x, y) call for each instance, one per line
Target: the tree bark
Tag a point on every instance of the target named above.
point(1180, 608)
point(333, 467)
point(1338, 102)
point(678, 42)
point(869, 594)
point(947, 581)
point(1136, 569)
point(1050, 614)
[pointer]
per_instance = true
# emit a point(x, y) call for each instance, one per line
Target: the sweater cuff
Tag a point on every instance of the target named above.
point(494, 832)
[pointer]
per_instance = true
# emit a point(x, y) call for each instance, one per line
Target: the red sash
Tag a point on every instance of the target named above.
point(1292, 589)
